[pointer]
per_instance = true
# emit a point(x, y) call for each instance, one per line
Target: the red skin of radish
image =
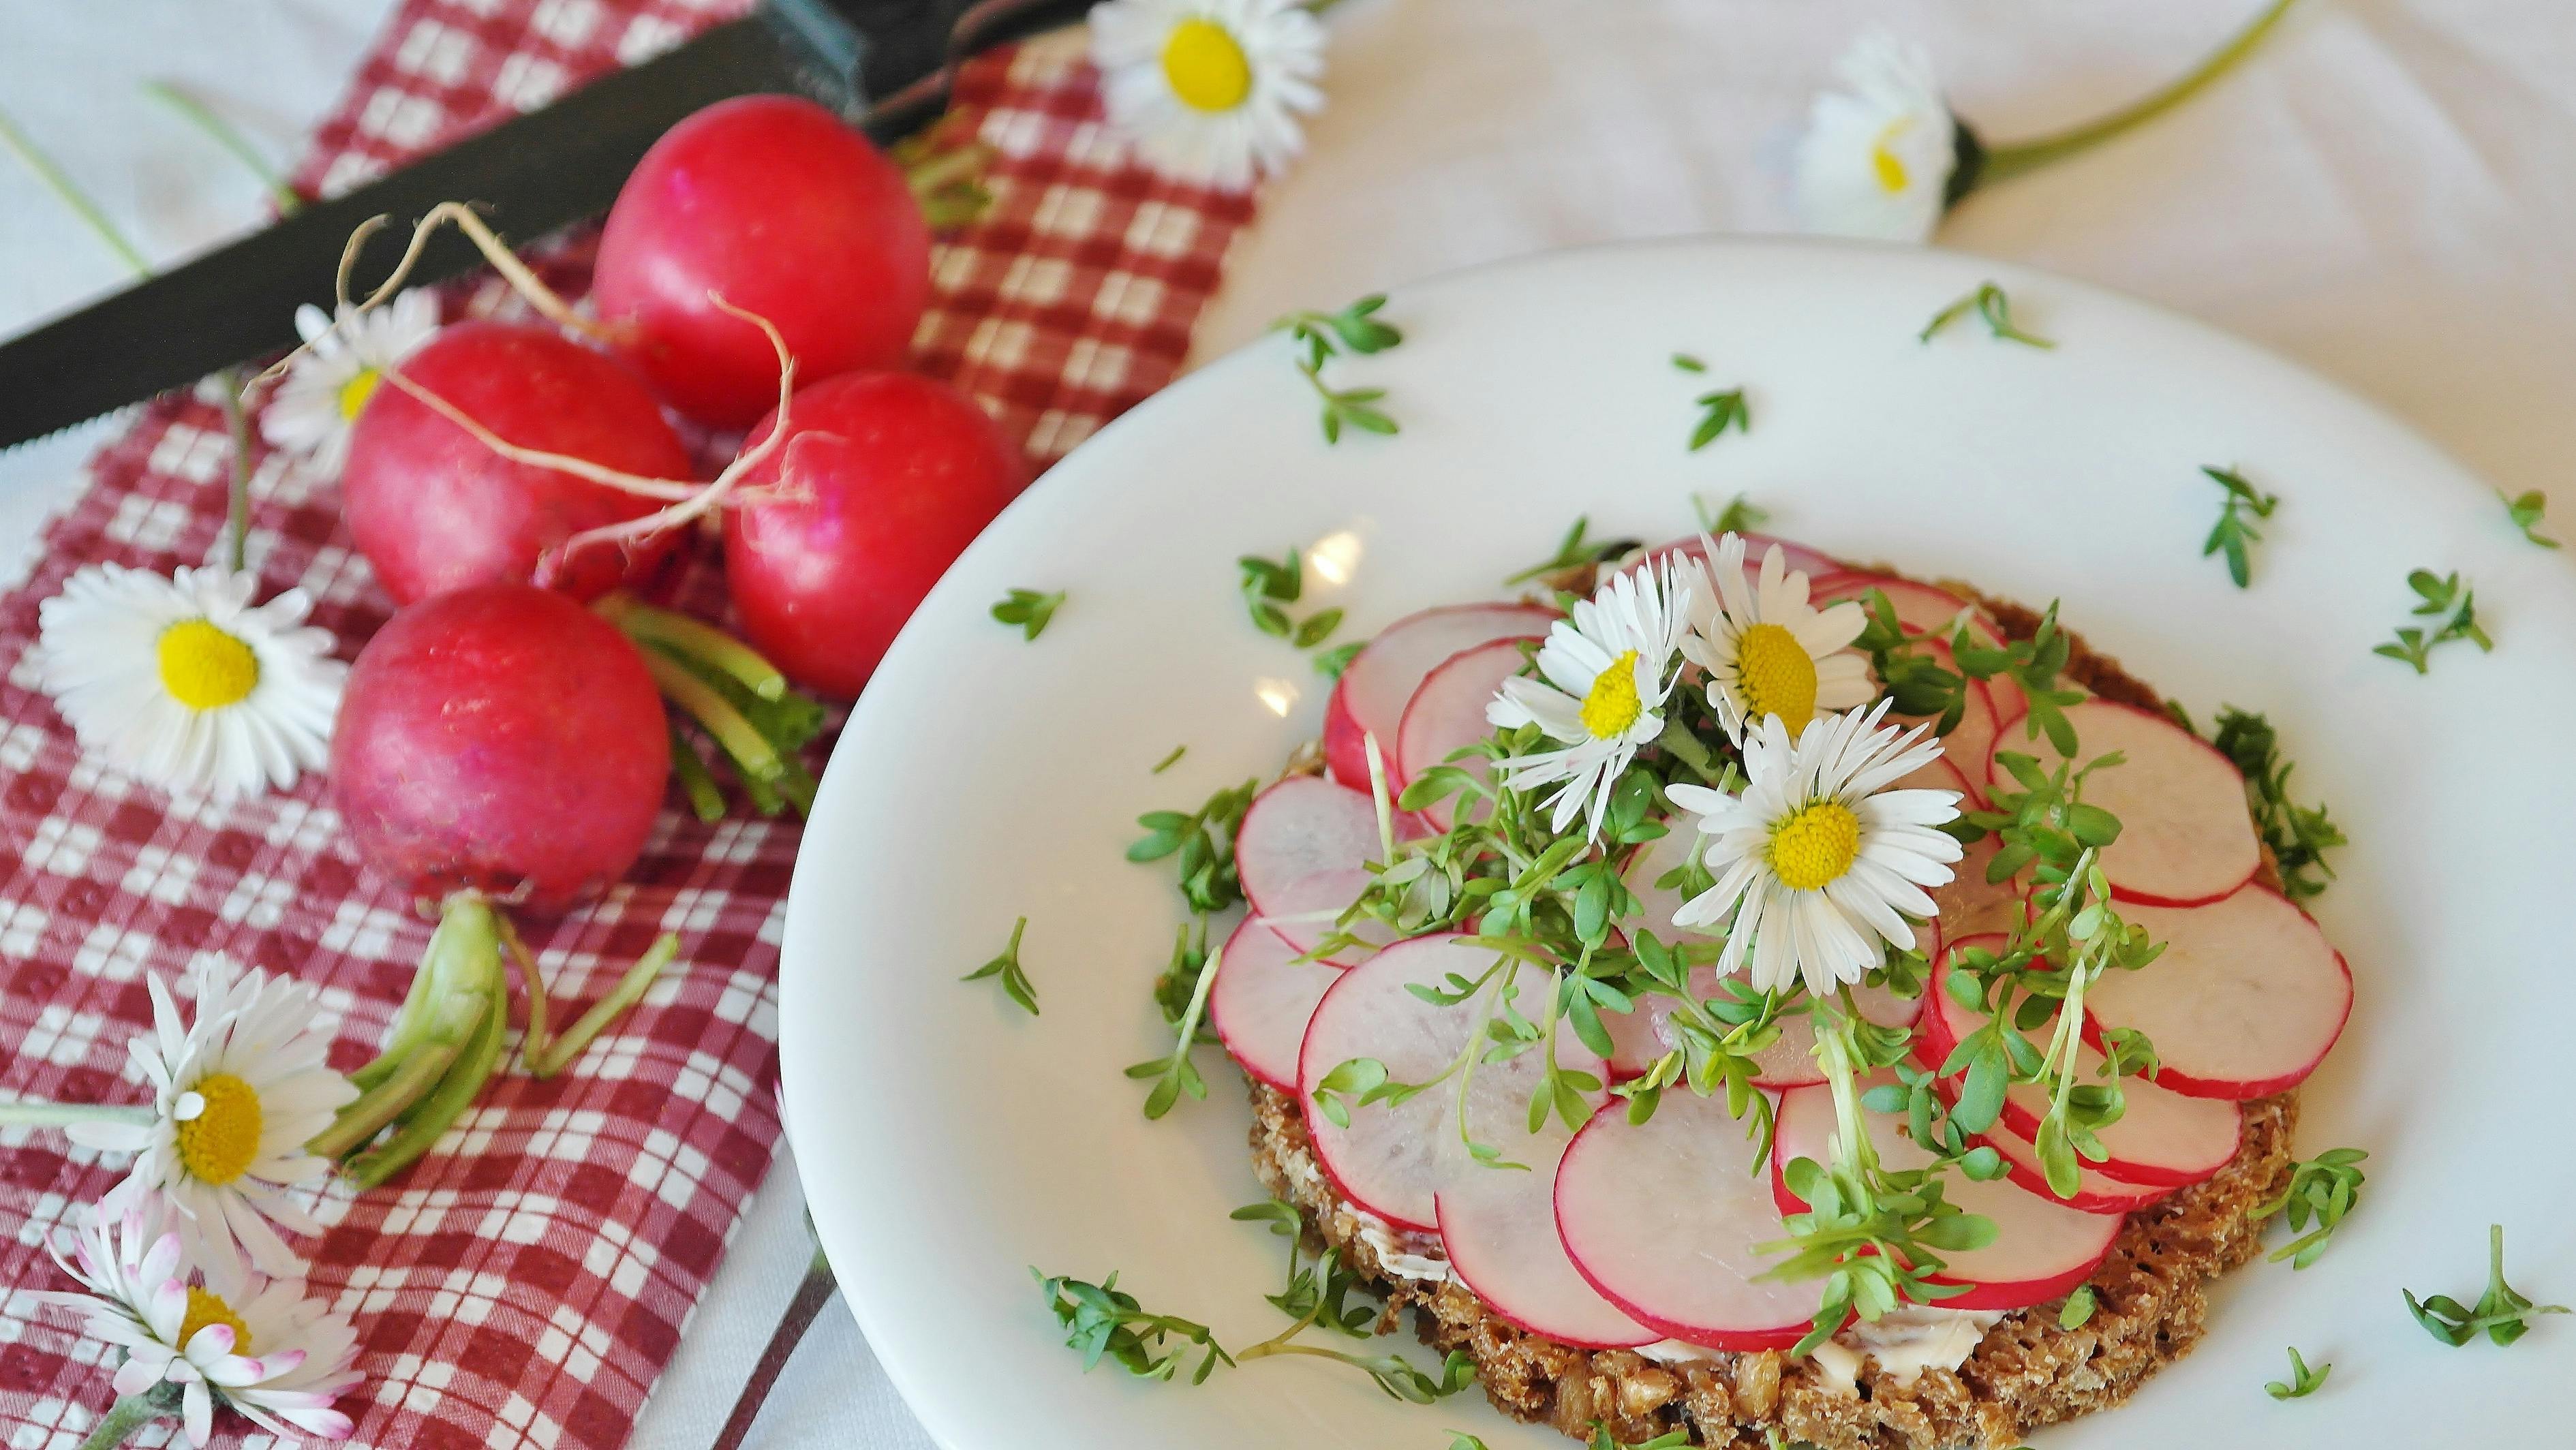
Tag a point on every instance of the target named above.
point(434, 509)
point(773, 204)
point(500, 739)
point(898, 474)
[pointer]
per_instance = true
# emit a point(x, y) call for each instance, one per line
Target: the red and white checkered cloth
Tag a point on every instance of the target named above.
point(527, 1282)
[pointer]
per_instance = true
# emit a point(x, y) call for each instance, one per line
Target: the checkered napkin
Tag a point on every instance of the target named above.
point(526, 1283)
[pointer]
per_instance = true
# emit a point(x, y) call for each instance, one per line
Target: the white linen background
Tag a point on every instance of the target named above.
point(2386, 193)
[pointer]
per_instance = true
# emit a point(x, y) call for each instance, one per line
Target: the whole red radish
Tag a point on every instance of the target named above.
point(498, 746)
point(890, 476)
point(776, 205)
point(434, 508)
point(500, 739)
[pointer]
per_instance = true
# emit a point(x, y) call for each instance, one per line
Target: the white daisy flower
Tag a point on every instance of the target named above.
point(1876, 160)
point(1208, 90)
point(1818, 864)
point(1766, 650)
point(1604, 675)
point(237, 1095)
point(264, 1349)
point(329, 382)
point(182, 682)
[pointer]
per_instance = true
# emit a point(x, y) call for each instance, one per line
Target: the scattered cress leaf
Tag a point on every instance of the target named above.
point(1028, 609)
point(1014, 981)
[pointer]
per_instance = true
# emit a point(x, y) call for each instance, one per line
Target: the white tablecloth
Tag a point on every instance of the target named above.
point(2387, 194)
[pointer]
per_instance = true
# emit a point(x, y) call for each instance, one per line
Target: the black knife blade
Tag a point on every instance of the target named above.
point(882, 64)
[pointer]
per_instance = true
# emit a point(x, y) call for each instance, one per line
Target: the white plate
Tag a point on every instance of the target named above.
point(949, 1142)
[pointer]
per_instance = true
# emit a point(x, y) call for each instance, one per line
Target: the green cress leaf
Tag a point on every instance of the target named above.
point(1720, 411)
point(1575, 551)
point(1990, 304)
point(2526, 511)
point(1317, 337)
point(1028, 609)
point(2299, 836)
point(2235, 531)
point(2501, 1313)
point(1331, 662)
point(2078, 1309)
point(1102, 1321)
point(1601, 1440)
point(1168, 761)
point(1317, 627)
point(2302, 1382)
point(2452, 607)
point(1461, 1440)
point(1740, 516)
point(2322, 1189)
point(1688, 363)
point(1015, 983)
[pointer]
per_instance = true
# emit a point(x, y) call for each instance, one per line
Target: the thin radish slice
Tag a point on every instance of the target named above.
point(2042, 1248)
point(1920, 608)
point(1380, 680)
point(1664, 1219)
point(1970, 742)
point(2185, 836)
point(2095, 1191)
point(2163, 1139)
point(1651, 863)
point(1262, 999)
point(1302, 854)
point(2245, 1002)
point(1447, 715)
point(1973, 906)
point(1939, 774)
point(1814, 563)
point(1498, 1227)
point(1393, 1158)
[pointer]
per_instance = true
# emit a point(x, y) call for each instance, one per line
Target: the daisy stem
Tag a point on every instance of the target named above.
point(547, 1060)
point(129, 1414)
point(52, 178)
point(20, 1113)
point(236, 496)
point(1685, 747)
point(2002, 163)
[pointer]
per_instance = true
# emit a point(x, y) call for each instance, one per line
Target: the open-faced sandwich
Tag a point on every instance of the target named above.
point(1742, 998)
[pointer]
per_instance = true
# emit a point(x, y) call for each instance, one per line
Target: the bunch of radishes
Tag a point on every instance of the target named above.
point(500, 745)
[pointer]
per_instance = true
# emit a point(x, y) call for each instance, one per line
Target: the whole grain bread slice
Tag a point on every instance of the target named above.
point(2151, 1294)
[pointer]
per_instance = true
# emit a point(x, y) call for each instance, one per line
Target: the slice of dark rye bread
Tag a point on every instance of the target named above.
point(2151, 1295)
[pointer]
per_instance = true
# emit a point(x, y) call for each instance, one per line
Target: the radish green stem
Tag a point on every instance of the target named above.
point(546, 1060)
point(696, 781)
point(534, 1039)
point(2005, 162)
point(223, 134)
point(390, 1098)
point(466, 930)
point(454, 1093)
point(751, 752)
point(703, 643)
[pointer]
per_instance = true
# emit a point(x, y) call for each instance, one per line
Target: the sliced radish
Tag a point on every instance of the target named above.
point(1665, 1220)
point(1262, 999)
point(1938, 774)
point(1498, 1227)
point(2163, 1139)
point(2042, 1248)
point(2095, 1191)
point(1813, 563)
point(2246, 1000)
point(1393, 1158)
point(1969, 742)
point(1447, 715)
point(1302, 854)
point(1973, 906)
point(1651, 863)
point(1381, 679)
point(1920, 608)
point(2185, 835)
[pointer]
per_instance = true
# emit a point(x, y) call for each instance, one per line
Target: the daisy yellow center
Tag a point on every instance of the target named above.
point(1815, 846)
point(1206, 66)
point(1883, 160)
point(1611, 705)
point(1776, 676)
point(205, 667)
point(206, 1307)
point(219, 1144)
point(356, 391)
